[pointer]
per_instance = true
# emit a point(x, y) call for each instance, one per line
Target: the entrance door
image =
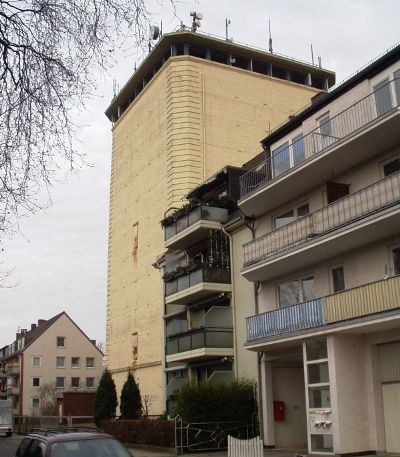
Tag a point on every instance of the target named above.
point(391, 412)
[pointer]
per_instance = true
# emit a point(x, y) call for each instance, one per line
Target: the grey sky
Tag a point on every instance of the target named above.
point(59, 259)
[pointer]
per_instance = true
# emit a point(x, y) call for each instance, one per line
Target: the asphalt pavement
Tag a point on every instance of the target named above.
point(8, 445)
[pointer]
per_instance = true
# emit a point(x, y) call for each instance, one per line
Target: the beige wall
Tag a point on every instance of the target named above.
point(192, 118)
point(77, 345)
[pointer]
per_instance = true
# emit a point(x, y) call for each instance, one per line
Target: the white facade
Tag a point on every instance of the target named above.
point(326, 261)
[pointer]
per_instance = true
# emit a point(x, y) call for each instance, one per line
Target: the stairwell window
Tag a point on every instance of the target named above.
point(391, 167)
point(396, 260)
point(296, 291)
point(338, 279)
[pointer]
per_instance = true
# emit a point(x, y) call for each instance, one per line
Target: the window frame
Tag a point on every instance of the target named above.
point(90, 366)
point(86, 382)
point(295, 212)
point(63, 385)
point(332, 283)
point(32, 380)
point(325, 138)
point(292, 150)
point(40, 361)
point(300, 280)
point(79, 382)
point(64, 342)
point(34, 399)
point(386, 162)
point(391, 259)
point(74, 366)
point(63, 358)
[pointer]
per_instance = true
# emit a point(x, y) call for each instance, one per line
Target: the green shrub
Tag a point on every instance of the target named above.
point(131, 402)
point(105, 403)
point(212, 402)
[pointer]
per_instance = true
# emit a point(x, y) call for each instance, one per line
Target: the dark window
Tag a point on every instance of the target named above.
point(60, 382)
point(383, 97)
point(35, 382)
point(391, 167)
point(74, 382)
point(336, 190)
point(60, 341)
point(338, 279)
point(89, 382)
point(396, 260)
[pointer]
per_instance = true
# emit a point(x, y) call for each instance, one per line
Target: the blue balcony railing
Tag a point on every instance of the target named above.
point(285, 320)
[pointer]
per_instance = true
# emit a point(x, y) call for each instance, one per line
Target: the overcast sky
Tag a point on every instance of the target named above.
point(59, 258)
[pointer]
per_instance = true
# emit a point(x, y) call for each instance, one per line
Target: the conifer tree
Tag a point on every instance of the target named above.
point(131, 402)
point(105, 403)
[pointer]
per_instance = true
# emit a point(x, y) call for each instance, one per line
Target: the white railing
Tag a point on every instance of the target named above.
point(245, 448)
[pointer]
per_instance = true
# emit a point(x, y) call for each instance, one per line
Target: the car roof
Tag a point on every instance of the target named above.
point(53, 436)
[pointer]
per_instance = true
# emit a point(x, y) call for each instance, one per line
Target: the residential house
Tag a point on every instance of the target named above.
point(324, 203)
point(54, 357)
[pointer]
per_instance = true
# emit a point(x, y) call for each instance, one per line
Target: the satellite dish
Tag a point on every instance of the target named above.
point(197, 22)
point(199, 16)
point(154, 32)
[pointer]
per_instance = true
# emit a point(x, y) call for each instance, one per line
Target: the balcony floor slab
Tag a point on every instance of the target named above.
point(200, 354)
point(198, 292)
point(193, 234)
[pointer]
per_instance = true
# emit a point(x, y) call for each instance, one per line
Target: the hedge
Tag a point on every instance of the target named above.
point(141, 431)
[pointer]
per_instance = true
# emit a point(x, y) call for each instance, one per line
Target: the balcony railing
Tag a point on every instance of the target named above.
point(373, 298)
point(338, 128)
point(198, 339)
point(13, 370)
point(204, 274)
point(13, 390)
point(201, 212)
point(360, 204)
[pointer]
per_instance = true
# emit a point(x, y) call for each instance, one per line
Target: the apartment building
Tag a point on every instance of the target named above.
point(46, 364)
point(323, 200)
point(193, 105)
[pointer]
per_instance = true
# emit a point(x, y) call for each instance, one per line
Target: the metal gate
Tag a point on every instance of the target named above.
point(209, 436)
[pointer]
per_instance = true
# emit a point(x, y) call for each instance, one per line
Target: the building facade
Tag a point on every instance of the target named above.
point(51, 359)
point(324, 202)
point(193, 105)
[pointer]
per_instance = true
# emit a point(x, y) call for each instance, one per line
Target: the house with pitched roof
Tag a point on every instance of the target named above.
point(45, 364)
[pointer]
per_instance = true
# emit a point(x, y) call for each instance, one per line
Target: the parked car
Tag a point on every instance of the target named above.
point(70, 443)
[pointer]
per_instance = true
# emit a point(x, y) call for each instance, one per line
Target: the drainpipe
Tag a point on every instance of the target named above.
point(249, 223)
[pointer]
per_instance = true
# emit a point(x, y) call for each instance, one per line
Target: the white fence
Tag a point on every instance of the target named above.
point(245, 448)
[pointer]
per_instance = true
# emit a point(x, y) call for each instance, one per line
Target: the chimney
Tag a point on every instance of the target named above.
point(17, 335)
point(41, 322)
point(33, 326)
point(23, 331)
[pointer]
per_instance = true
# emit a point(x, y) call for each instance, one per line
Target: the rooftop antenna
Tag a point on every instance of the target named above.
point(270, 37)
point(312, 55)
point(154, 34)
point(319, 62)
point(227, 24)
point(197, 18)
point(115, 87)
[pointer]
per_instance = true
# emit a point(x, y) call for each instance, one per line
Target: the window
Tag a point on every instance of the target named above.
point(61, 341)
point(291, 215)
point(60, 362)
point(325, 130)
point(383, 97)
point(396, 75)
point(35, 402)
point(297, 291)
point(391, 167)
point(75, 362)
point(60, 382)
point(396, 260)
point(89, 382)
point(281, 159)
point(299, 153)
point(89, 362)
point(36, 361)
point(75, 382)
point(35, 382)
point(338, 279)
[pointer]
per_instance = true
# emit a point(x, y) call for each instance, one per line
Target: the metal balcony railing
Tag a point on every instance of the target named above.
point(204, 274)
point(365, 202)
point(339, 127)
point(198, 339)
point(372, 298)
point(201, 212)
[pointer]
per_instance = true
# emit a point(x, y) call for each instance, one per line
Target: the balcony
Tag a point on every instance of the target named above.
point(199, 284)
point(357, 134)
point(200, 344)
point(369, 302)
point(12, 391)
point(371, 214)
point(195, 226)
point(13, 370)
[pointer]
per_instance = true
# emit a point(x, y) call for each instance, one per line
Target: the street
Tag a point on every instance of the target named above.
point(8, 446)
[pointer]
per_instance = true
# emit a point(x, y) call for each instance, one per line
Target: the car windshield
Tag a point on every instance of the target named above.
point(103, 447)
